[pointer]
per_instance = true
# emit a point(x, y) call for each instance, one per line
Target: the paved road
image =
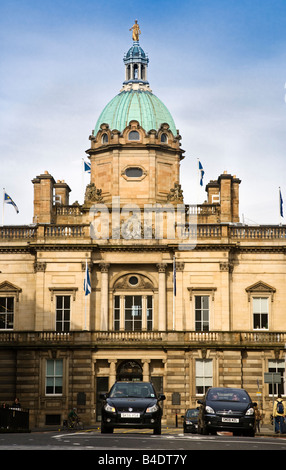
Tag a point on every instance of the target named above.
point(123, 443)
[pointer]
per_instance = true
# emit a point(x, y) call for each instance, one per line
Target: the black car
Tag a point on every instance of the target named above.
point(131, 405)
point(190, 423)
point(226, 409)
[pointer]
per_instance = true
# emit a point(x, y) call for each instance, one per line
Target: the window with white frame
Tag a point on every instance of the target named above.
point(133, 312)
point(54, 377)
point(278, 367)
point(204, 375)
point(202, 312)
point(260, 308)
point(7, 313)
point(63, 311)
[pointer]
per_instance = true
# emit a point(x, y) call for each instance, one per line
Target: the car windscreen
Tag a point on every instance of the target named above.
point(132, 390)
point(192, 413)
point(228, 395)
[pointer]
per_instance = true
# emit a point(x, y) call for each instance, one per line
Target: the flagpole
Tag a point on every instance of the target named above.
point(280, 206)
point(3, 207)
point(174, 286)
point(82, 176)
point(85, 296)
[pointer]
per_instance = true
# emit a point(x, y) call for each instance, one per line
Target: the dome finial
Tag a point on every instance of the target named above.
point(136, 31)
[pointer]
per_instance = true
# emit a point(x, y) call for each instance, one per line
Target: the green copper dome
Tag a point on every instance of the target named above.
point(139, 105)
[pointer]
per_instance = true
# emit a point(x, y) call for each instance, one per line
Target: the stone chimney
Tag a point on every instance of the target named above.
point(225, 192)
point(43, 198)
point(62, 191)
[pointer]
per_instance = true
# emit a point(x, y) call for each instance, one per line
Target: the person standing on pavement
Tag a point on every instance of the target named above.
point(279, 414)
point(258, 418)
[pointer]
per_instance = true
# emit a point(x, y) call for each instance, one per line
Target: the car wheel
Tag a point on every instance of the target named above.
point(157, 430)
point(106, 430)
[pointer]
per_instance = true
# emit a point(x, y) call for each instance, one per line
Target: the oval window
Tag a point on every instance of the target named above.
point(164, 138)
point(104, 138)
point(133, 172)
point(133, 135)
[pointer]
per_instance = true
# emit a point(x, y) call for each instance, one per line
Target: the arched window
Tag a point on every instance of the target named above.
point(104, 139)
point(133, 304)
point(164, 138)
point(134, 135)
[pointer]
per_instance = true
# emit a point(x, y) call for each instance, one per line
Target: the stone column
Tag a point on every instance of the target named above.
point(162, 296)
point(104, 297)
point(112, 371)
point(146, 372)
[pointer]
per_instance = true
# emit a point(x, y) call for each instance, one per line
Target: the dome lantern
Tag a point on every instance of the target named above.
point(136, 100)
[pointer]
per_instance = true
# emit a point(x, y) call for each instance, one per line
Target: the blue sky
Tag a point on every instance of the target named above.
point(219, 66)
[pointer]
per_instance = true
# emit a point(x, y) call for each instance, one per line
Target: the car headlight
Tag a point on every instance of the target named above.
point(210, 410)
point(152, 409)
point(249, 412)
point(188, 421)
point(109, 408)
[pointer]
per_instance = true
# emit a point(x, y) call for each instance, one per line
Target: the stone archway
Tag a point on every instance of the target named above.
point(129, 370)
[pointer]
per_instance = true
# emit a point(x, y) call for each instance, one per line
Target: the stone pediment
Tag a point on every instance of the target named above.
point(7, 288)
point(260, 288)
point(143, 283)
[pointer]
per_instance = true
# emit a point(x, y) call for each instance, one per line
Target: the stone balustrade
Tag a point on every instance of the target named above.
point(193, 232)
point(215, 339)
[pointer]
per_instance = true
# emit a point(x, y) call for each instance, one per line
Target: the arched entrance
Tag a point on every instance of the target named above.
point(129, 370)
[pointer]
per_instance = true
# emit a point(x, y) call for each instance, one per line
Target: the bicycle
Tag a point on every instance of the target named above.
point(72, 424)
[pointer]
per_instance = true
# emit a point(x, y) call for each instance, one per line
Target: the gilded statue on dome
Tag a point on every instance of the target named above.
point(136, 31)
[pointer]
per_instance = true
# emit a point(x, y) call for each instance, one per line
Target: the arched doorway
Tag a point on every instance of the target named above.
point(129, 370)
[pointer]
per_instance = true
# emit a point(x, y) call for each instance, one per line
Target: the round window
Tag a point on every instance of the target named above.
point(133, 172)
point(133, 280)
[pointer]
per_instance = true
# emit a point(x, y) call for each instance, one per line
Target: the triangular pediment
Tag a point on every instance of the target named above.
point(260, 287)
point(8, 288)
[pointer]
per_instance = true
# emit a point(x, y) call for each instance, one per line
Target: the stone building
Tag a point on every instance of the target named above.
point(183, 295)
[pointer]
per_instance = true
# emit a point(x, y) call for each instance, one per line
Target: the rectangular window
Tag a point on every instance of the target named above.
point(260, 313)
point(277, 366)
point(202, 313)
point(6, 313)
point(149, 312)
point(54, 377)
point(204, 375)
point(63, 310)
point(133, 312)
point(116, 312)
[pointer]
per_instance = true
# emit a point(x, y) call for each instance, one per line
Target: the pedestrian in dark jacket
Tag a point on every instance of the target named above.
point(279, 414)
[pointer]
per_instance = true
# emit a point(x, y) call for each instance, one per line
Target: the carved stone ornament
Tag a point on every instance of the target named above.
point(92, 194)
point(175, 194)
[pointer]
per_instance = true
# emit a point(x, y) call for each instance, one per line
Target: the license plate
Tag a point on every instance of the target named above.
point(230, 420)
point(130, 415)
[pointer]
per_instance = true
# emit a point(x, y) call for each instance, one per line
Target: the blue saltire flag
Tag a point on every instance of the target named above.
point(9, 200)
point(87, 286)
point(201, 170)
point(87, 166)
point(281, 203)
